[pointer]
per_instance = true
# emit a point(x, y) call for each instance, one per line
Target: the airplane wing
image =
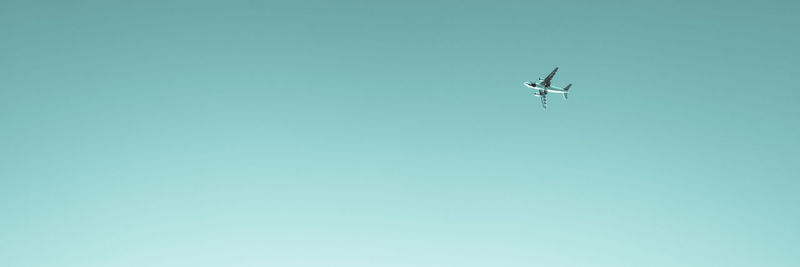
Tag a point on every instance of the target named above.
point(550, 77)
point(544, 101)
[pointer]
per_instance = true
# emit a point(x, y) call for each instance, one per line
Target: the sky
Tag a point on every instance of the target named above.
point(398, 133)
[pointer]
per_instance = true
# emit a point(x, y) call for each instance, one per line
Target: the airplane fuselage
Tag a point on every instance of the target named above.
point(548, 89)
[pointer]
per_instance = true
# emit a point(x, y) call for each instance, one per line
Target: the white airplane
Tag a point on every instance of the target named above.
point(543, 87)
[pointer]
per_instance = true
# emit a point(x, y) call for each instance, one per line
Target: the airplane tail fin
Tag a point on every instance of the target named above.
point(566, 90)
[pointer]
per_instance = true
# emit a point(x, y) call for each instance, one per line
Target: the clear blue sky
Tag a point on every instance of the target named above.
point(398, 133)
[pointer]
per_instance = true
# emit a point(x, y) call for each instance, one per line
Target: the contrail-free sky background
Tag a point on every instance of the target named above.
point(398, 133)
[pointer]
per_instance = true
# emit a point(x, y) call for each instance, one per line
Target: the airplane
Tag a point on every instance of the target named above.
point(544, 87)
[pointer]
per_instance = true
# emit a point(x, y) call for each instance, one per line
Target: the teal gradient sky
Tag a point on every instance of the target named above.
point(398, 133)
